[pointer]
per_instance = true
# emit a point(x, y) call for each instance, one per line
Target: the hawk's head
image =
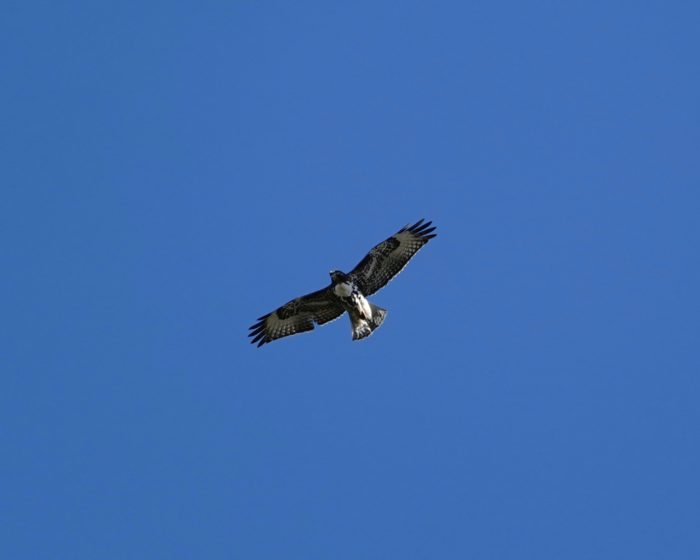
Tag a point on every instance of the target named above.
point(337, 276)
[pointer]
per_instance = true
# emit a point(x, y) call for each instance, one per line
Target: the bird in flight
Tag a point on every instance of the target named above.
point(347, 292)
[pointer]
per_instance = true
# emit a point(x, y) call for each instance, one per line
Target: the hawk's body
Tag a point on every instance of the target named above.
point(364, 316)
point(347, 292)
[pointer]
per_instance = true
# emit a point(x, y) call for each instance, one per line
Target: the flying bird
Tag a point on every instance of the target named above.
point(347, 292)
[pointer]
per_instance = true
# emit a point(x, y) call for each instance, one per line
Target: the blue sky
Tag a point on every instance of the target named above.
point(171, 171)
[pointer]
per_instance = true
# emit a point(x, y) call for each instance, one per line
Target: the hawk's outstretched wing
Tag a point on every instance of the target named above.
point(299, 315)
point(389, 258)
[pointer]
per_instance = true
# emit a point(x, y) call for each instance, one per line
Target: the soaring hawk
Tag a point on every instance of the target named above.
point(347, 292)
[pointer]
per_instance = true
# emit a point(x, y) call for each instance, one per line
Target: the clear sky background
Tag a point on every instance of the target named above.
point(172, 170)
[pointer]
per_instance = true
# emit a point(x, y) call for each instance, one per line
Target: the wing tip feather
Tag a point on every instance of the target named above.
point(423, 231)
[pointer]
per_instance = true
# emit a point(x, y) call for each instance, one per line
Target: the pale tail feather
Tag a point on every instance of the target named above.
point(362, 328)
point(378, 315)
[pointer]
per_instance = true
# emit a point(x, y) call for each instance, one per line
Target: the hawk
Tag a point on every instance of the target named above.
point(347, 292)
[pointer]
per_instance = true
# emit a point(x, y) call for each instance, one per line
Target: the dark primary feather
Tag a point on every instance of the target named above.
point(296, 316)
point(390, 257)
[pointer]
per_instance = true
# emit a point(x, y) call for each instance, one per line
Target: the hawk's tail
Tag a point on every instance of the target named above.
point(362, 328)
